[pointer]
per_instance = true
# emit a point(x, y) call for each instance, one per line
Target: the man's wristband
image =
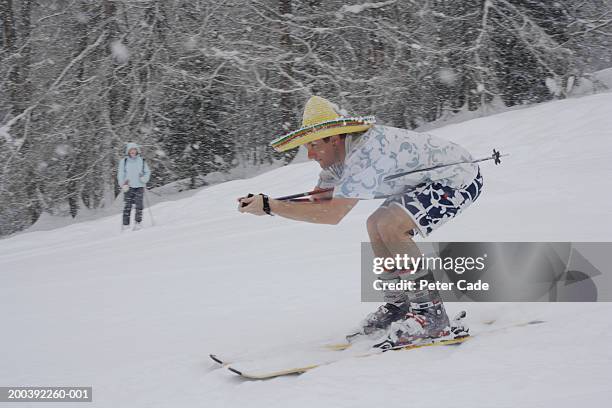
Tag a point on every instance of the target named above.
point(266, 204)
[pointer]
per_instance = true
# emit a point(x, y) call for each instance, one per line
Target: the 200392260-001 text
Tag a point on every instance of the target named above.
point(50, 394)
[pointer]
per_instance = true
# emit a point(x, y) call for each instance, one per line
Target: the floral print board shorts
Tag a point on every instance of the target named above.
point(431, 205)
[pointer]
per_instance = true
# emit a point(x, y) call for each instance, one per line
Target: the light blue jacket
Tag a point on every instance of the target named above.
point(133, 169)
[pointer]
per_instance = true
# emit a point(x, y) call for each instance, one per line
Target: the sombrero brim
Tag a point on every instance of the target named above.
point(320, 131)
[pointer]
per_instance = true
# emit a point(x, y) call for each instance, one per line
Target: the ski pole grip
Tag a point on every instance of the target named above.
point(245, 204)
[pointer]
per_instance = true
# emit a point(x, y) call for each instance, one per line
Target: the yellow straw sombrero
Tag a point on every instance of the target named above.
point(320, 120)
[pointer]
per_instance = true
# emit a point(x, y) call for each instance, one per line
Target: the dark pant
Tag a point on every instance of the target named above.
point(133, 196)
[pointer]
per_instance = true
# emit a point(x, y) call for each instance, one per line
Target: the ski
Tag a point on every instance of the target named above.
point(225, 360)
point(217, 360)
point(274, 364)
point(246, 370)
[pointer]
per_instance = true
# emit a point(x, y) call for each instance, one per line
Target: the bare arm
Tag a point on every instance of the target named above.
point(322, 212)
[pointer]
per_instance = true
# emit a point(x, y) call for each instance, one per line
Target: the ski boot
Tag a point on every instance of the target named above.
point(379, 320)
point(425, 323)
point(423, 328)
point(137, 226)
point(426, 320)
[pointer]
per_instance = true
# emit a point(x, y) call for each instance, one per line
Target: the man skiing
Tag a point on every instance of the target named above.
point(355, 156)
point(133, 174)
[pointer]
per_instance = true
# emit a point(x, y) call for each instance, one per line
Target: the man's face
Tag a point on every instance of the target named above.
point(132, 152)
point(325, 152)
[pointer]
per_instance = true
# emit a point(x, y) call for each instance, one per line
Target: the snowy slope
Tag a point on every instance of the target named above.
point(135, 314)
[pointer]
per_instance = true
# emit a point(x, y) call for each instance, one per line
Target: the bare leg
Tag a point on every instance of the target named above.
point(389, 229)
point(376, 241)
point(392, 230)
point(388, 232)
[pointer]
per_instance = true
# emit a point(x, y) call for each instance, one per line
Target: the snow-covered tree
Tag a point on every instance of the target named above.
point(204, 85)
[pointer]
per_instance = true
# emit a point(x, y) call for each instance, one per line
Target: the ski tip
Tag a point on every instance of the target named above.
point(215, 358)
point(234, 371)
point(536, 322)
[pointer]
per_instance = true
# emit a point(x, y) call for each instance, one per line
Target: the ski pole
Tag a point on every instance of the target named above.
point(296, 197)
point(122, 194)
point(496, 157)
point(304, 194)
point(149, 206)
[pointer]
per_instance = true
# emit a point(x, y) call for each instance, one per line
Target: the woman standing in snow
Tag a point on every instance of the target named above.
point(132, 175)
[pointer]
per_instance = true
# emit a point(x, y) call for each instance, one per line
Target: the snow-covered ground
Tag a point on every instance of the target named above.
point(135, 314)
